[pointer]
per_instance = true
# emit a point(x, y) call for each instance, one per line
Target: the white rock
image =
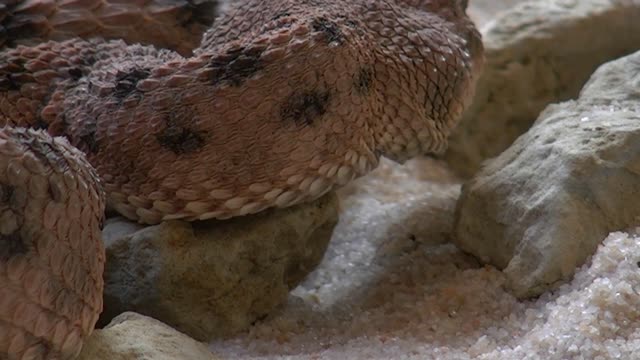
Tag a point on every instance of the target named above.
point(138, 337)
point(541, 208)
point(538, 52)
point(483, 11)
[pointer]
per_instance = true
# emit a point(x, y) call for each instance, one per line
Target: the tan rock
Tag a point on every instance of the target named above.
point(542, 207)
point(538, 52)
point(132, 336)
point(213, 278)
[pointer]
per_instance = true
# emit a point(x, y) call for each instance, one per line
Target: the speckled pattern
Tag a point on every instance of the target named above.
point(281, 102)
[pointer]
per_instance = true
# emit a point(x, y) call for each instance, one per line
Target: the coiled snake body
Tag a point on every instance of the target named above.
point(281, 101)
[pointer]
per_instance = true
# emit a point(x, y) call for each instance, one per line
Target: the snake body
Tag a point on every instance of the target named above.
point(281, 102)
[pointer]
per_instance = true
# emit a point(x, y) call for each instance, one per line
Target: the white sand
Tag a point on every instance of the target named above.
point(390, 287)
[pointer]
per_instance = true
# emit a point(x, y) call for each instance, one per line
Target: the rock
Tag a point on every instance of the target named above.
point(214, 278)
point(538, 52)
point(542, 207)
point(137, 337)
point(483, 11)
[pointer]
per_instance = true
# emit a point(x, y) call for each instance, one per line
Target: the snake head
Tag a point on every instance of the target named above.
point(432, 55)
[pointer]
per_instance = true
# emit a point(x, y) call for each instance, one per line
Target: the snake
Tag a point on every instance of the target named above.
point(191, 110)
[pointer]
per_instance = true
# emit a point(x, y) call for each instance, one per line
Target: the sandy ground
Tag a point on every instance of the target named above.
point(392, 287)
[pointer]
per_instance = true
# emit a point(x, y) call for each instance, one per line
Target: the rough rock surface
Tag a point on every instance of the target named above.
point(132, 336)
point(483, 11)
point(541, 208)
point(217, 277)
point(538, 52)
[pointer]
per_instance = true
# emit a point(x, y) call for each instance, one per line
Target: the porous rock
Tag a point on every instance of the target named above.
point(214, 278)
point(542, 207)
point(538, 52)
point(138, 337)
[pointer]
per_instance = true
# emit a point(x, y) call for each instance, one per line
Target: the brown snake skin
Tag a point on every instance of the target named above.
point(282, 101)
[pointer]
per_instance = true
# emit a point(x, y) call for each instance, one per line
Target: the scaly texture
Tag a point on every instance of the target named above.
point(281, 102)
point(177, 24)
point(51, 257)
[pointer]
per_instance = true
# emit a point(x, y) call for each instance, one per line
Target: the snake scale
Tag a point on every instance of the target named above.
point(160, 109)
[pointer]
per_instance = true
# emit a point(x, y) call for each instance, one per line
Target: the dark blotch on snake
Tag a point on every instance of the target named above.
point(75, 73)
point(8, 82)
point(11, 245)
point(306, 107)
point(11, 74)
point(179, 137)
point(40, 124)
point(126, 82)
point(89, 141)
point(6, 192)
point(55, 192)
point(89, 60)
point(363, 80)
point(85, 137)
point(236, 65)
point(281, 14)
point(330, 29)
